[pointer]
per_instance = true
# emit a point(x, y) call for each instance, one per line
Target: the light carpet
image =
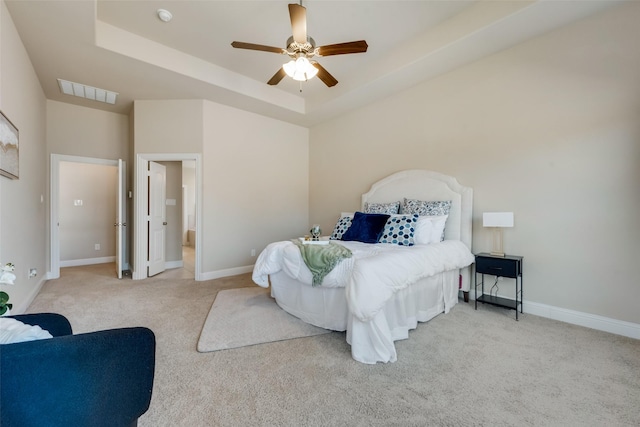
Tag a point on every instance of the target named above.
point(249, 316)
point(467, 368)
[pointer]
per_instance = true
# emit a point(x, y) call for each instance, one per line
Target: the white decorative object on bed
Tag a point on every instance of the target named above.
point(383, 290)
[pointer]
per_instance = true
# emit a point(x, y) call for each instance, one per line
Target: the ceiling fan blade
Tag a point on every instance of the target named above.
point(279, 75)
point(251, 46)
point(324, 75)
point(298, 14)
point(343, 48)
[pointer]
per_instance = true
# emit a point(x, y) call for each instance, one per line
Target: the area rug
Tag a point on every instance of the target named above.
point(249, 316)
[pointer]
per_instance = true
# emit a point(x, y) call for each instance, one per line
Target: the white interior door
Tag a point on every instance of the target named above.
point(121, 215)
point(157, 217)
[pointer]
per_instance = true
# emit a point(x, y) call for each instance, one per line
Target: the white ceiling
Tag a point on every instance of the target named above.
point(122, 46)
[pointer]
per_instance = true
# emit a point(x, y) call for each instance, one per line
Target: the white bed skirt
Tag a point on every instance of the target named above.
point(372, 341)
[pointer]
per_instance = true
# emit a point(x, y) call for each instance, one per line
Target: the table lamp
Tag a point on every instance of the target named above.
point(498, 221)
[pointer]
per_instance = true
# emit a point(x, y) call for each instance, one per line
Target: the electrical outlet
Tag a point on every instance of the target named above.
point(33, 272)
point(253, 252)
point(97, 246)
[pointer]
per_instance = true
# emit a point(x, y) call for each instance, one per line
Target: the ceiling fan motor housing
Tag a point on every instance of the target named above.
point(294, 48)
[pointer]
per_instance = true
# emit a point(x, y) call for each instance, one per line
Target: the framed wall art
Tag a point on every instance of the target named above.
point(9, 149)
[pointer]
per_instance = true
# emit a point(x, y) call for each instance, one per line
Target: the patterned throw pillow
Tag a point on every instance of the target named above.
point(342, 225)
point(382, 208)
point(399, 230)
point(425, 208)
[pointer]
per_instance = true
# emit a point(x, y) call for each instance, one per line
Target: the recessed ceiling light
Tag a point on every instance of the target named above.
point(88, 92)
point(164, 15)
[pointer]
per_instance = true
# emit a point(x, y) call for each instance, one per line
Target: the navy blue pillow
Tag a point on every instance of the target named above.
point(366, 228)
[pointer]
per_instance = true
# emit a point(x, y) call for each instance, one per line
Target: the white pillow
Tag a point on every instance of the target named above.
point(422, 235)
point(13, 331)
point(430, 229)
point(437, 232)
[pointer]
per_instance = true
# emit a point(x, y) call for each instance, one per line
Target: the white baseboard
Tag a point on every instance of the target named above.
point(22, 307)
point(87, 261)
point(173, 264)
point(593, 321)
point(225, 273)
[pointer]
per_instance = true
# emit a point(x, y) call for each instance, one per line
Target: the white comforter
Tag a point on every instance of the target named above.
point(374, 272)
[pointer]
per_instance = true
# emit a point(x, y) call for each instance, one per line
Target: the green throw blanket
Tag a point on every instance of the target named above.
point(321, 259)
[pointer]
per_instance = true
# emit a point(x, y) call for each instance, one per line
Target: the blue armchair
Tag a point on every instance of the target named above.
point(102, 378)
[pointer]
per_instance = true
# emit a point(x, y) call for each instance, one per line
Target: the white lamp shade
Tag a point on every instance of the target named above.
point(497, 219)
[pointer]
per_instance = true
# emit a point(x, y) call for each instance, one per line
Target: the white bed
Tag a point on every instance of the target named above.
point(375, 304)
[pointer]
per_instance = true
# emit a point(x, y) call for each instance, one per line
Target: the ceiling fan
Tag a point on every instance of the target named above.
point(301, 48)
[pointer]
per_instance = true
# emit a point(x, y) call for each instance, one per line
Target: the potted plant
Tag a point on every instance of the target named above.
point(5, 307)
point(6, 278)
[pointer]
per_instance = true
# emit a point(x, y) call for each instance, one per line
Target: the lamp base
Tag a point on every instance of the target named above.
point(497, 249)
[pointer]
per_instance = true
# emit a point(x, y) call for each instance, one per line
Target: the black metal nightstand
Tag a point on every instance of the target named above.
point(507, 266)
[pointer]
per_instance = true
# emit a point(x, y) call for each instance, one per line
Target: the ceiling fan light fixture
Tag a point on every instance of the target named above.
point(300, 69)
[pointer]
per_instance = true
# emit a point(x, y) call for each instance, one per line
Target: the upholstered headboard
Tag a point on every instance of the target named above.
point(430, 186)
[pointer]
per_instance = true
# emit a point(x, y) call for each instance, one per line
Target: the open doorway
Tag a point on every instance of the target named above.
point(189, 214)
point(82, 213)
point(172, 219)
point(141, 249)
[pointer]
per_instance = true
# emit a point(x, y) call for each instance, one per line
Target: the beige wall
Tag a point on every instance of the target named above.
point(23, 211)
point(254, 174)
point(548, 130)
point(168, 126)
point(86, 132)
point(89, 133)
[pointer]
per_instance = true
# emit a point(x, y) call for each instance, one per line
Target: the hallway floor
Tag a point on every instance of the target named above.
point(187, 271)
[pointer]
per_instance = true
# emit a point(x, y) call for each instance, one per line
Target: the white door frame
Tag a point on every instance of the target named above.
point(141, 194)
point(54, 234)
point(121, 218)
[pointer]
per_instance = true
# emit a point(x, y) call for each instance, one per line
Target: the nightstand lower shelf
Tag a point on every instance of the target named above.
point(499, 301)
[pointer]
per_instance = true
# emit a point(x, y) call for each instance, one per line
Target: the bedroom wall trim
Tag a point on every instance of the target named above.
point(90, 261)
point(593, 321)
point(26, 302)
point(173, 264)
point(210, 275)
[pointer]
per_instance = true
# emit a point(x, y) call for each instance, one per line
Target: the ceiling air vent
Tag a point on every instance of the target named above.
point(88, 92)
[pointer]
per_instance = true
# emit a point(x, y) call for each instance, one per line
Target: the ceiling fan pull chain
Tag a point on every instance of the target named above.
point(300, 87)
